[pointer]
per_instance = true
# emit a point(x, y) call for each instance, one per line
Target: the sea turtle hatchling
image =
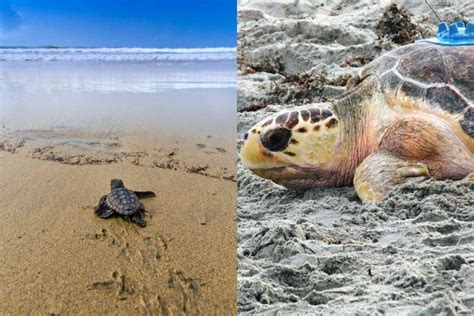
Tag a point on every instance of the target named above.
point(408, 115)
point(123, 202)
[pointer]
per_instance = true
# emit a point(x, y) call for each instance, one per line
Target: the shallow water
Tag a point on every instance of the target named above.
point(179, 97)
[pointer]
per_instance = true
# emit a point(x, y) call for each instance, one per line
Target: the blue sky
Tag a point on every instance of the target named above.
point(118, 23)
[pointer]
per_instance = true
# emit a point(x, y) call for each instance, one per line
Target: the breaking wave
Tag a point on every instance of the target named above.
point(118, 54)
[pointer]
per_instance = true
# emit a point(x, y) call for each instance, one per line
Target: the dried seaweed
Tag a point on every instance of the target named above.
point(398, 24)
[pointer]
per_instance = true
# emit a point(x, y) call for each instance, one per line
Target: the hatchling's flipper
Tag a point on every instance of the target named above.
point(104, 213)
point(101, 205)
point(102, 210)
point(381, 172)
point(138, 218)
point(144, 194)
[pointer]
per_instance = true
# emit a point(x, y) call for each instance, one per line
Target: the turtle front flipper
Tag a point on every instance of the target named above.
point(382, 171)
point(144, 194)
point(104, 213)
point(102, 205)
point(469, 178)
point(138, 218)
point(101, 210)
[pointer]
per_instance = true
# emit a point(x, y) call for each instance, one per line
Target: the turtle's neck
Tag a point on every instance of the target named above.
point(359, 113)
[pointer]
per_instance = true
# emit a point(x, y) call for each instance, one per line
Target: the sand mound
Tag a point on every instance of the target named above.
point(324, 251)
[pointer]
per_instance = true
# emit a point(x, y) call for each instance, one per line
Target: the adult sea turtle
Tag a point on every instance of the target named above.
point(408, 115)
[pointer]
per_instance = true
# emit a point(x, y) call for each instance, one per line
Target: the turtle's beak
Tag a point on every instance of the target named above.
point(251, 153)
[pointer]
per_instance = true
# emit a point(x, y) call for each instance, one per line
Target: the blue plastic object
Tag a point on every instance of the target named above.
point(455, 34)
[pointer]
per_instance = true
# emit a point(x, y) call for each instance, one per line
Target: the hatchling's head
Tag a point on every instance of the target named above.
point(116, 184)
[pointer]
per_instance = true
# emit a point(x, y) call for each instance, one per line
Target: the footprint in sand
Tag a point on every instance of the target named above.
point(189, 288)
point(119, 283)
point(102, 235)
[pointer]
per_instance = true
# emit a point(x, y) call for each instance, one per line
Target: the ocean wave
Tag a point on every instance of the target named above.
point(38, 77)
point(118, 54)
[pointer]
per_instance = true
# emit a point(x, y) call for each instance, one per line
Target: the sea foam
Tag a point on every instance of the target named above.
point(119, 54)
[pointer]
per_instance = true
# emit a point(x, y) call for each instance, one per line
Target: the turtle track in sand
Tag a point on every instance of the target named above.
point(141, 257)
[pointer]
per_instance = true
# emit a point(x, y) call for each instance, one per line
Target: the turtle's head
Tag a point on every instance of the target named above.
point(294, 148)
point(116, 183)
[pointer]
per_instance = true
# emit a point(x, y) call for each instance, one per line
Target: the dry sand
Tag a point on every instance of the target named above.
point(324, 252)
point(59, 258)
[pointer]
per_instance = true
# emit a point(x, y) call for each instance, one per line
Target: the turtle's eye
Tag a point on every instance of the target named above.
point(276, 139)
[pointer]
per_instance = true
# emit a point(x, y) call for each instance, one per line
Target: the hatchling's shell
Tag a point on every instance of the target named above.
point(123, 201)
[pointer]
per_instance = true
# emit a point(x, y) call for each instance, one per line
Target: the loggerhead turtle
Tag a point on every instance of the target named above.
point(408, 115)
point(123, 202)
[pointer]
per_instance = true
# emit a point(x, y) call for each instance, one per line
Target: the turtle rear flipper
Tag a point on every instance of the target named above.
point(144, 194)
point(138, 218)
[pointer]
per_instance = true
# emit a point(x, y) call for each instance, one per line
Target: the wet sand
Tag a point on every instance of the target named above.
point(63, 136)
point(58, 257)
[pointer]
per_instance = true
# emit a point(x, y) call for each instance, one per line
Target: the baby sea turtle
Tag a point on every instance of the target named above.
point(408, 115)
point(123, 202)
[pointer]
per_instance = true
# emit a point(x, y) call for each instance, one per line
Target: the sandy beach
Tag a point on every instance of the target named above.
point(59, 149)
point(323, 252)
point(60, 258)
